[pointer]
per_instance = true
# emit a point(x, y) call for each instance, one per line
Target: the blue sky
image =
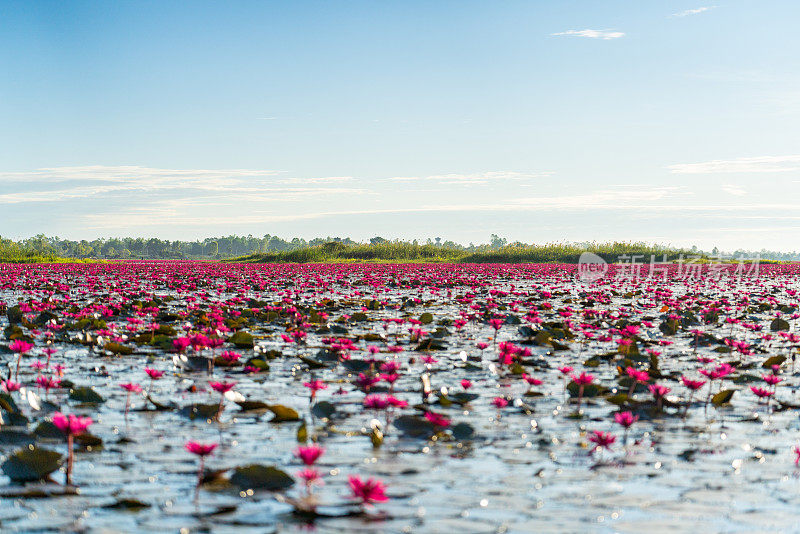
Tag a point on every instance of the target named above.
point(674, 122)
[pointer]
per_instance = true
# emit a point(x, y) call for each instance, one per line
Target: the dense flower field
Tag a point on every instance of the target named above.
point(397, 398)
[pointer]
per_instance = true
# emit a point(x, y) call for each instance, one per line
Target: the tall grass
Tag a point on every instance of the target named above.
point(11, 252)
point(401, 251)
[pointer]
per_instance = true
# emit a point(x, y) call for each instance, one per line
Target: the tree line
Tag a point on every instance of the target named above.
point(234, 246)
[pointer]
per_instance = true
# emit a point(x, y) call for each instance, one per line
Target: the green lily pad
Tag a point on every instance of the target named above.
point(773, 360)
point(283, 413)
point(242, 339)
point(257, 476)
point(85, 394)
point(47, 430)
point(200, 411)
point(323, 410)
point(414, 426)
point(31, 464)
point(127, 504)
point(15, 437)
point(723, 397)
point(118, 348)
point(779, 325)
point(463, 431)
point(252, 406)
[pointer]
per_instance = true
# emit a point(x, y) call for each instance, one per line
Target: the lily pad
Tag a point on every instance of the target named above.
point(773, 360)
point(200, 411)
point(118, 348)
point(242, 339)
point(323, 409)
point(283, 413)
point(85, 394)
point(127, 504)
point(723, 397)
point(31, 464)
point(252, 406)
point(779, 325)
point(257, 476)
point(414, 426)
point(463, 431)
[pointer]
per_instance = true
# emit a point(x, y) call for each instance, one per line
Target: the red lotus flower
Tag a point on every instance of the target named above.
point(761, 393)
point(583, 379)
point(71, 425)
point(694, 385)
point(602, 440)
point(222, 387)
point(625, 419)
point(437, 420)
point(309, 455)
point(368, 491)
point(315, 385)
point(153, 373)
point(9, 386)
point(499, 402)
point(19, 346)
point(131, 388)
point(200, 449)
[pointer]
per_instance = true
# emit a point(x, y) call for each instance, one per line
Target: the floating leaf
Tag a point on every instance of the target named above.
point(430, 344)
point(257, 476)
point(426, 318)
point(302, 433)
point(89, 441)
point(85, 394)
point(127, 504)
point(47, 430)
point(414, 426)
point(723, 397)
point(283, 413)
point(118, 348)
point(357, 366)
point(252, 406)
point(15, 437)
point(242, 339)
point(200, 411)
point(258, 363)
point(7, 403)
point(773, 360)
point(543, 339)
point(312, 364)
point(323, 410)
point(778, 325)
point(462, 397)
point(619, 399)
point(589, 390)
point(31, 464)
point(463, 431)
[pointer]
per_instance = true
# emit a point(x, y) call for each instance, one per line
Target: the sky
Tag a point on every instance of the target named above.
point(541, 121)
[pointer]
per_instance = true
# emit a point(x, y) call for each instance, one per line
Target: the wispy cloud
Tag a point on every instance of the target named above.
point(690, 12)
point(761, 164)
point(66, 183)
point(605, 35)
point(643, 202)
point(474, 178)
point(734, 190)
